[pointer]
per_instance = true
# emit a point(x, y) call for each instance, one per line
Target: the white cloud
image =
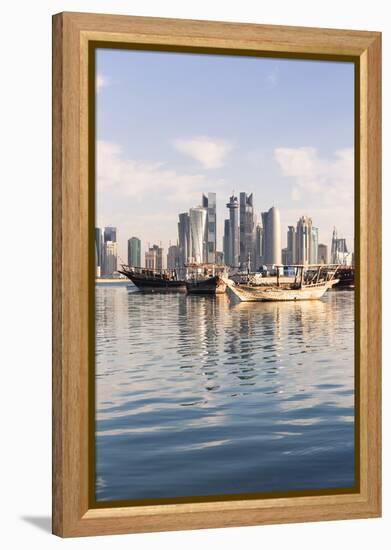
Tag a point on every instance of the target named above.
point(329, 180)
point(210, 153)
point(322, 188)
point(130, 178)
point(101, 82)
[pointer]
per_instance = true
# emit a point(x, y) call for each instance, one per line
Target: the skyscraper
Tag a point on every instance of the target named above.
point(184, 238)
point(134, 252)
point(233, 207)
point(303, 240)
point(284, 256)
point(226, 243)
point(209, 202)
point(291, 246)
point(110, 234)
point(109, 258)
point(258, 246)
point(314, 245)
point(98, 251)
point(219, 257)
point(109, 251)
point(323, 255)
point(271, 236)
point(173, 257)
point(154, 258)
point(198, 234)
point(339, 251)
point(246, 230)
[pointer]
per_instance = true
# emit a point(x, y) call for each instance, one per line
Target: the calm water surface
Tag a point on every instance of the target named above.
point(202, 396)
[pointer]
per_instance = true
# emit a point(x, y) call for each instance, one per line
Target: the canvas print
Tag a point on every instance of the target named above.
point(224, 277)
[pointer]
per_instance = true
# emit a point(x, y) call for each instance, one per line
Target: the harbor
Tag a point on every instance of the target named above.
point(282, 283)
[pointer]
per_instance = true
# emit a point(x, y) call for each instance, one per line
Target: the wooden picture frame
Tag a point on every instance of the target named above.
point(73, 34)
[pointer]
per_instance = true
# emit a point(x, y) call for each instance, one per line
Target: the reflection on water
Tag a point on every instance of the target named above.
point(200, 396)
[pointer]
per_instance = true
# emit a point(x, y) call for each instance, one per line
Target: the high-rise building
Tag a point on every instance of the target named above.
point(291, 246)
point(284, 256)
point(246, 230)
point(110, 234)
point(134, 252)
point(98, 252)
point(303, 240)
point(271, 236)
point(233, 207)
point(109, 258)
point(219, 258)
point(209, 202)
point(323, 255)
point(226, 243)
point(150, 259)
point(198, 234)
point(314, 245)
point(184, 238)
point(159, 257)
point(173, 257)
point(258, 247)
point(339, 251)
point(154, 258)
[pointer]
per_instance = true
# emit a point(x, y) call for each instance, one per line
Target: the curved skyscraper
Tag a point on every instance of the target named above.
point(198, 234)
point(272, 236)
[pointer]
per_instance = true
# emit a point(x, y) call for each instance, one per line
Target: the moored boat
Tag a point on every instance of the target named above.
point(163, 280)
point(205, 278)
point(210, 285)
point(345, 276)
point(309, 283)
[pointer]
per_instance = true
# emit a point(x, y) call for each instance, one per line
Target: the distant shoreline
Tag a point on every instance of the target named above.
point(112, 281)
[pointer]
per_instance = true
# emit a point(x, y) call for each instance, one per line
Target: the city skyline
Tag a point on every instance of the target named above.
point(283, 131)
point(258, 238)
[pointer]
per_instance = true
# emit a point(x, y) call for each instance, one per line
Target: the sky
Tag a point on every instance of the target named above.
point(171, 126)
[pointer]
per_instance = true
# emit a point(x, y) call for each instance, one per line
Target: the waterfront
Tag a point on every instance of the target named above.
point(202, 396)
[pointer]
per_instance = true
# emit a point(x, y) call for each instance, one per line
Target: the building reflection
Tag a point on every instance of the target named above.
point(256, 342)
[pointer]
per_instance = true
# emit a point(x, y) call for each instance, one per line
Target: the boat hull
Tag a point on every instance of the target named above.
point(346, 278)
point(155, 284)
point(213, 285)
point(248, 293)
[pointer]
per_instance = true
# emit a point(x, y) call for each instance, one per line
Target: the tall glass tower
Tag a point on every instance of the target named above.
point(246, 230)
point(110, 234)
point(134, 252)
point(98, 251)
point(233, 207)
point(303, 240)
point(291, 245)
point(314, 245)
point(198, 234)
point(271, 236)
point(226, 243)
point(183, 238)
point(209, 202)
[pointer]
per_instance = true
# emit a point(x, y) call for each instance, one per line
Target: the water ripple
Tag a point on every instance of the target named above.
point(200, 396)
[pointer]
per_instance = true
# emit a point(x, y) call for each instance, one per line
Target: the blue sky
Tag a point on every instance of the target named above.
point(171, 126)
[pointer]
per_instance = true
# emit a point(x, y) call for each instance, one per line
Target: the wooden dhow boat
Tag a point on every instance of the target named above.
point(310, 282)
point(153, 280)
point(211, 285)
point(206, 279)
